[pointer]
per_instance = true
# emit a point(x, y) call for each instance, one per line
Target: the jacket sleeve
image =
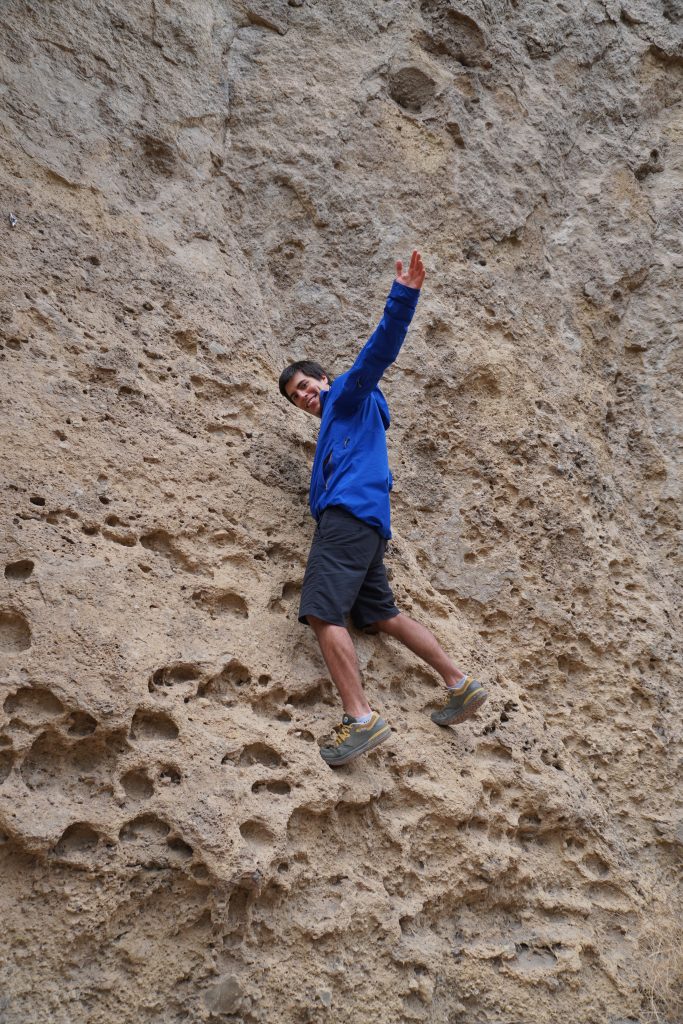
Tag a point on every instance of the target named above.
point(381, 349)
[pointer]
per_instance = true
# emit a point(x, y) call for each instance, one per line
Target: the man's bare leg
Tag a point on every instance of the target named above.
point(418, 639)
point(340, 657)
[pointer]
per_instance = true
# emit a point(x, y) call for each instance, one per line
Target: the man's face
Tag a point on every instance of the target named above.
point(304, 391)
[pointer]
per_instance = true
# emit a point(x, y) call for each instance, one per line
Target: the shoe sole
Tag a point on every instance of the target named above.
point(464, 713)
point(365, 749)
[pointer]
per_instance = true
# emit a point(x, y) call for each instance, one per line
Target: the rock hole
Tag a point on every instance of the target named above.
point(221, 602)
point(6, 762)
point(321, 693)
point(454, 34)
point(186, 339)
point(238, 907)
point(127, 540)
point(163, 544)
point(534, 961)
point(411, 88)
point(176, 673)
point(551, 760)
point(278, 788)
point(152, 725)
point(180, 848)
point(477, 825)
point(77, 838)
point(146, 827)
point(260, 753)
point(20, 570)
point(15, 633)
point(37, 500)
point(80, 723)
point(232, 677)
point(170, 776)
point(256, 832)
point(137, 785)
point(54, 762)
point(596, 865)
point(33, 704)
point(159, 154)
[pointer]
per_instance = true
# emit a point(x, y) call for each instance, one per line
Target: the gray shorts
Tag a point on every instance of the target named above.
point(345, 574)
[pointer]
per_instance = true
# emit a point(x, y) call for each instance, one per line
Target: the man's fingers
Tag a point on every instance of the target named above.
point(415, 274)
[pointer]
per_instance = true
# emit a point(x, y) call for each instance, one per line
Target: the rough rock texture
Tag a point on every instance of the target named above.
point(192, 194)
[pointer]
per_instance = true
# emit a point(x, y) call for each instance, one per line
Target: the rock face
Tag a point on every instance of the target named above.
point(193, 194)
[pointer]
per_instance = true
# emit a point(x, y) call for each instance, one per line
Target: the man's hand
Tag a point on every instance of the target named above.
point(414, 275)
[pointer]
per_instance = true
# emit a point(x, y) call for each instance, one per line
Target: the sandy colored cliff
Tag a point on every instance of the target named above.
point(194, 193)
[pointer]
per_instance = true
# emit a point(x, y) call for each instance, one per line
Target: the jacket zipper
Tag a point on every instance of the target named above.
point(327, 461)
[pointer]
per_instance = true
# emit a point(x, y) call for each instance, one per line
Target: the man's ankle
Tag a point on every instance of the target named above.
point(362, 718)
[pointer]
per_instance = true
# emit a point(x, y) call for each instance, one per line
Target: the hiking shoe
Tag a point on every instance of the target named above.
point(354, 739)
point(461, 703)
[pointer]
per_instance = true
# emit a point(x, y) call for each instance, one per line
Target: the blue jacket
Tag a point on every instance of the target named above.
point(351, 466)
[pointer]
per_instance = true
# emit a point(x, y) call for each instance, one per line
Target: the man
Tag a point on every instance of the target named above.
point(349, 499)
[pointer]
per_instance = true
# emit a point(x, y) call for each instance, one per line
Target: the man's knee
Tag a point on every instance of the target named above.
point(383, 625)
point(319, 625)
point(372, 629)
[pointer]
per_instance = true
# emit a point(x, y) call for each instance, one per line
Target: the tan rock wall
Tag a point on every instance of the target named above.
point(192, 194)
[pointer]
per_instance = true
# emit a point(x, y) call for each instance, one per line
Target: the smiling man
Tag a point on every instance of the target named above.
point(349, 499)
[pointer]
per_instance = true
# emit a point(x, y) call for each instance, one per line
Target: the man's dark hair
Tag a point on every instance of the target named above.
point(307, 367)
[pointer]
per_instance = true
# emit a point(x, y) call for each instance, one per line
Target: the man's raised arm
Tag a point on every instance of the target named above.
point(383, 347)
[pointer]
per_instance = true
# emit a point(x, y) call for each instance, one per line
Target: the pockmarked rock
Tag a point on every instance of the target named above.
point(194, 195)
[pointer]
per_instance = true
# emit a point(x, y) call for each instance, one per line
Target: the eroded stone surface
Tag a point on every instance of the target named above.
point(200, 192)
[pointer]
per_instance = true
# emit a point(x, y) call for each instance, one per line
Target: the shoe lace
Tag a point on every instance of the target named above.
point(461, 691)
point(343, 732)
